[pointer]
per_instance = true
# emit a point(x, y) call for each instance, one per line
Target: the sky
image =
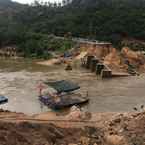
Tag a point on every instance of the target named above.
point(30, 1)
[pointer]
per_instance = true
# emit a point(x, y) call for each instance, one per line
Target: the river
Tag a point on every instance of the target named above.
point(20, 79)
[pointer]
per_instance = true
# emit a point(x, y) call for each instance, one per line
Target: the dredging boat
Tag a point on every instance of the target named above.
point(65, 97)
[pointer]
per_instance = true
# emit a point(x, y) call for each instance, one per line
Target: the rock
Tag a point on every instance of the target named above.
point(68, 67)
point(84, 140)
point(117, 120)
point(75, 113)
point(115, 140)
point(86, 116)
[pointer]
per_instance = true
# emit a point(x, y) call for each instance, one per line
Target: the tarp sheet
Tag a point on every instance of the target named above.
point(63, 86)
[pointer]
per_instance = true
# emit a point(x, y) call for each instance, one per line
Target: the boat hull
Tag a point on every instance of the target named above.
point(65, 102)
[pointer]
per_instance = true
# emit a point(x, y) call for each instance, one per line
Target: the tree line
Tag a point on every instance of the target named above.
point(93, 19)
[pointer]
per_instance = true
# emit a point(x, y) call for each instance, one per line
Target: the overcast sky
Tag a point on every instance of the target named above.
point(30, 1)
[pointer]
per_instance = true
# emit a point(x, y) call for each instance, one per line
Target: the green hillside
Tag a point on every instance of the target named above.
point(109, 20)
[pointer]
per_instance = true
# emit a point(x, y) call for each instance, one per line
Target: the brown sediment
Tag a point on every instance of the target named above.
point(103, 129)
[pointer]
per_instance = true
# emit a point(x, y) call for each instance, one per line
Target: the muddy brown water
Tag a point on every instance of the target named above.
point(20, 79)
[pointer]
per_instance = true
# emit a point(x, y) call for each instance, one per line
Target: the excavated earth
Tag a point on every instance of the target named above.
point(109, 129)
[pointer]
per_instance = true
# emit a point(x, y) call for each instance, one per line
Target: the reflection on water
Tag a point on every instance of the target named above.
point(19, 80)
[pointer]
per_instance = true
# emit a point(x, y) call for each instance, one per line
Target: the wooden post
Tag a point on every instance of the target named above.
point(106, 73)
point(83, 62)
point(94, 64)
point(89, 59)
point(99, 68)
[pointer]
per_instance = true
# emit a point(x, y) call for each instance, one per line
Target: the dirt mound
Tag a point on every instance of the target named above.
point(114, 60)
point(27, 134)
point(137, 59)
point(127, 129)
point(42, 134)
point(121, 61)
point(120, 129)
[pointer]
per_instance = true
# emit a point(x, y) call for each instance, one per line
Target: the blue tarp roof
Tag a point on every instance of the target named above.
point(63, 86)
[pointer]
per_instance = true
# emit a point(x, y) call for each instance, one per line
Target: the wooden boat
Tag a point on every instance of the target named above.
point(64, 101)
point(64, 97)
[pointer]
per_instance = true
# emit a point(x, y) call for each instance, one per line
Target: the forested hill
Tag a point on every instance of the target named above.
point(94, 19)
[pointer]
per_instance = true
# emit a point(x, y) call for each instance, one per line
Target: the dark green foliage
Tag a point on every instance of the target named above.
point(37, 45)
point(29, 26)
